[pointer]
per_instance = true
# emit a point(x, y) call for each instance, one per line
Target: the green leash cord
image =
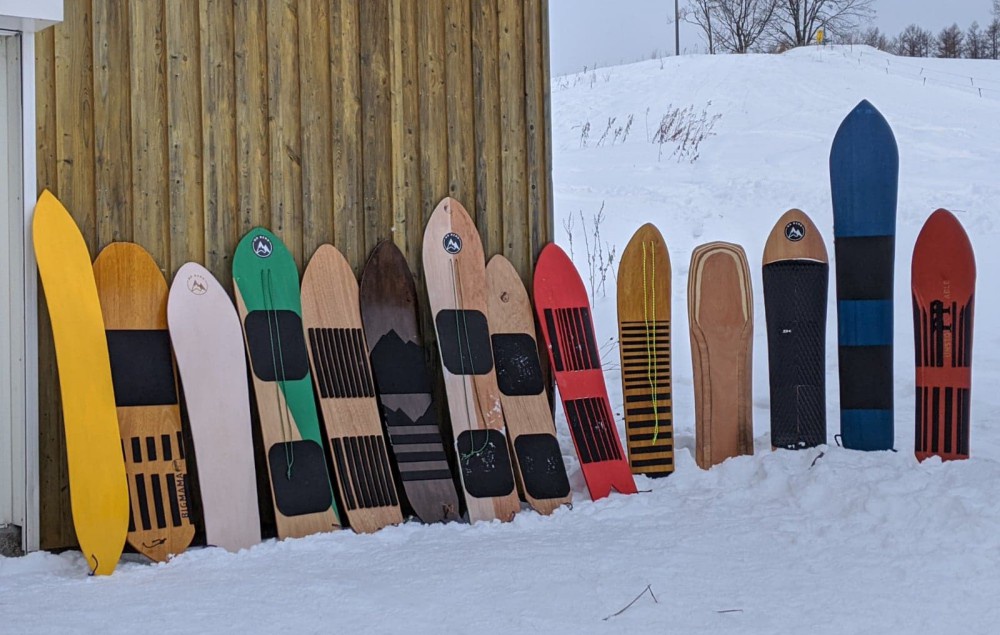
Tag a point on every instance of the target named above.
point(278, 360)
point(651, 367)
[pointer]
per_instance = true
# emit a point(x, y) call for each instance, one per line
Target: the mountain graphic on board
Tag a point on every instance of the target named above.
point(400, 366)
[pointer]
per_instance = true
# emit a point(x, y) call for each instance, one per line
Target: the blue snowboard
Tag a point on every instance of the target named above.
point(864, 174)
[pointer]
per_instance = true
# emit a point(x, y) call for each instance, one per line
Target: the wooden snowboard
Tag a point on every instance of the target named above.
point(720, 314)
point(796, 278)
point(98, 491)
point(208, 344)
point(644, 347)
point(944, 286)
point(864, 173)
point(456, 287)
point(388, 299)
point(532, 433)
point(266, 283)
point(343, 378)
point(564, 315)
point(133, 295)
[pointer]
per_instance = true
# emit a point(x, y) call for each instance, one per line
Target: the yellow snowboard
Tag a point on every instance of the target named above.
point(98, 489)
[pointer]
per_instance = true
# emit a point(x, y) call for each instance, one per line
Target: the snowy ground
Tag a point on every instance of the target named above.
point(779, 542)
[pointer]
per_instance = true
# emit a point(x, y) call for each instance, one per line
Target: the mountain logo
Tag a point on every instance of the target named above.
point(452, 243)
point(795, 231)
point(197, 285)
point(262, 246)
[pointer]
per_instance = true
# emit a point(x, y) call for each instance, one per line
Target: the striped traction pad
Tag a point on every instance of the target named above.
point(342, 372)
point(943, 348)
point(575, 349)
point(159, 490)
point(645, 349)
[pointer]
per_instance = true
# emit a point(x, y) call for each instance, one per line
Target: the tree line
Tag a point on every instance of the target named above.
point(742, 26)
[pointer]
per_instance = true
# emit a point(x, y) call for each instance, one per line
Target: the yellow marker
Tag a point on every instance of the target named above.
point(98, 489)
point(819, 36)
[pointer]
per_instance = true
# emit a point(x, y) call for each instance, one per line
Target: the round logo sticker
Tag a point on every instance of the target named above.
point(197, 285)
point(795, 231)
point(452, 243)
point(262, 246)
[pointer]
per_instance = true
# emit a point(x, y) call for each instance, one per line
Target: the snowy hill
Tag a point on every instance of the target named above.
point(822, 541)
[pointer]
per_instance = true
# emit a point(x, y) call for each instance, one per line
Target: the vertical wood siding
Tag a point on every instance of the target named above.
point(181, 124)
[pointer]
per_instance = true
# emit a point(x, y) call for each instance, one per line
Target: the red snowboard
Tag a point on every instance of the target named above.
point(568, 329)
point(943, 284)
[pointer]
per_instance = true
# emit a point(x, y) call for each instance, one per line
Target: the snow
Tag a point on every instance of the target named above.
point(822, 541)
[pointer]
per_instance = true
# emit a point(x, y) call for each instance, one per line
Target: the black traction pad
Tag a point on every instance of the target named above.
point(464, 338)
point(305, 488)
point(542, 467)
point(142, 370)
point(277, 345)
point(485, 463)
point(519, 374)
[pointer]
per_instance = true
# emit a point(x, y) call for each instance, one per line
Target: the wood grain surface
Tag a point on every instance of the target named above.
point(388, 298)
point(208, 344)
point(99, 490)
point(510, 313)
point(720, 312)
point(644, 328)
point(133, 295)
point(338, 354)
point(794, 237)
point(458, 282)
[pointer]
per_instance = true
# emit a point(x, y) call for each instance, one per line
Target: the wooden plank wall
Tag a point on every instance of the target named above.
point(181, 124)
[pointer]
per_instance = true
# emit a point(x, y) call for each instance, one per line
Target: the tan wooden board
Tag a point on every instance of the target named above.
point(338, 354)
point(644, 347)
point(794, 237)
point(720, 313)
point(133, 294)
point(457, 281)
point(208, 343)
point(510, 313)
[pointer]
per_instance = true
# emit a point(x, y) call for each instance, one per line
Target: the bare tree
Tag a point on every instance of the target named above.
point(914, 42)
point(992, 38)
point(950, 42)
point(976, 45)
point(741, 23)
point(701, 13)
point(996, 9)
point(797, 21)
point(874, 38)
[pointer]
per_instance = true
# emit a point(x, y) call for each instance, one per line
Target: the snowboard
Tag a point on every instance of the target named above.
point(532, 432)
point(98, 490)
point(564, 315)
point(343, 379)
point(864, 173)
point(266, 285)
point(644, 348)
point(943, 284)
point(720, 316)
point(456, 287)
point(208, 346)
point(796, 278)
point(388, 299)
point(133, 294)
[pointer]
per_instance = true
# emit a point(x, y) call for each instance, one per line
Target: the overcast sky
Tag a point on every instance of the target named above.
point(585, 32)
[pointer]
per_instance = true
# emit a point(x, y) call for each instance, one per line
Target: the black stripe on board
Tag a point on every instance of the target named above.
point(168, 451)
point(664, 435)
point(429, 475)
point(339, 459)
point(405, 457)
point(664, 396)
point(354, 461)
point(136, 450)
point(917, 332)
point(592, 427)
point(963, 421)
point(871, 280)
point(935, 420)
point(918, 444)
point(151, 448)
point(383, 459)
point(406, 439)
point(161, 516)
point(648, 463)
point(140, 496)
point(642, 326)
point(634, 412)
point(175, 508)
point(650, 449)
point(180, 446)
point(142, 367)
point(948, 417)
